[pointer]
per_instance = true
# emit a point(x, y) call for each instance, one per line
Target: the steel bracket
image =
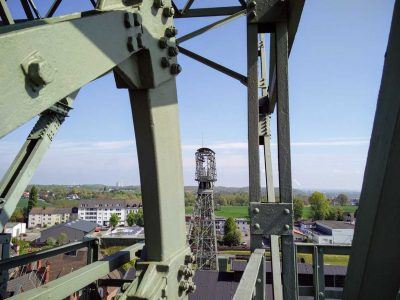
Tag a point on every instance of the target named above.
point(171, 279)
point(271, 218)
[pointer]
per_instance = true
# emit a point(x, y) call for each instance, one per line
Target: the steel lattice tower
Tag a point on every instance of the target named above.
point(202, 230)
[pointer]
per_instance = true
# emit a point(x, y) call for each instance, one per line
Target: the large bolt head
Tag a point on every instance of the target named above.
point(286, 211)
point(130, 44)
point(256, 226)
point(41, 73)
point(168, 12)
point(171, 31)
point(287, 226)
point(184, 285)
point(192, 287)
point(256, 210)
point(175, 69)
point(163, 42)
point(173, 51)
point(251, 4)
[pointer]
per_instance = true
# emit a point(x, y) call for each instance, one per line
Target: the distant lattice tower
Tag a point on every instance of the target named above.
point(202, 230)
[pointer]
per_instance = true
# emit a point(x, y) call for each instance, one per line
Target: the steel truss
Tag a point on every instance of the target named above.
point(135, 39)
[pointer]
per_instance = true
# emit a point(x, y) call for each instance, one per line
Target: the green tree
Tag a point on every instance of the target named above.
point(33, 198)
point(62, 238)
point(18, 216)
point(231, 233)
point(114, 219)
point(297, 208)
point(139, 219)
point(130, 219)
point(342, 199)
point(319, 206)
point(51, 241)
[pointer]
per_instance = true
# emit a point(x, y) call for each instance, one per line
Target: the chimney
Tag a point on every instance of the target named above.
point(47, 273)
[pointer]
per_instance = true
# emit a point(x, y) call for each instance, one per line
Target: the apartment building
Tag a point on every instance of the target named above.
point(49, 216)
point(100, 211)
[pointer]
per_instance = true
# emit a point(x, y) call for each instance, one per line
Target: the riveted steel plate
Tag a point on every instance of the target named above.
point(271, 218)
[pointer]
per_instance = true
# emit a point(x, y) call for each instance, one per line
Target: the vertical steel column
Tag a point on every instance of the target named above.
point(374, 267)
point(156, 121)
point(275, 255)
point(253, 110)
point(5, 239)
point(318, 273)
point(289, 267)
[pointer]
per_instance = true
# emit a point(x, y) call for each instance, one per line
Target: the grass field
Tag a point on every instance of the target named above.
point(228, 211)
point(24, 203)
point(243, 211)
point(337, 260)
point(346, 208)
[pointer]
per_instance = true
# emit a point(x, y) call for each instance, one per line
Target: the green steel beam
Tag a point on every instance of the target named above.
point(66, 285)
point(214, 65)
point(252, 112)
point(327, 249)
point(289, 266)
point(211, 26)
point(252, 283)
point(28, 159)
point(374, 266)
point(318, 273)
point(295, 9)
point(210, 12)
point(83, 47)
point(5, 13)
point(275, 253)
point(156, 122)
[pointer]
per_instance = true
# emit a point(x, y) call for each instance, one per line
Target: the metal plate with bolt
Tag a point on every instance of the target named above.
point(271, 218)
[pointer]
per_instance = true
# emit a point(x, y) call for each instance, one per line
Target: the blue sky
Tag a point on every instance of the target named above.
point(334, 72)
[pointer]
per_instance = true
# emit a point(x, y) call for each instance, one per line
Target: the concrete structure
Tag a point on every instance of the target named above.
point(15, 229)
point(100, 211)
point(74, 231)
point(50, 216)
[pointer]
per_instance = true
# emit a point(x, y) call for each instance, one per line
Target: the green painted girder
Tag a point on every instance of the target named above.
point(28, 159)
point(44, 61)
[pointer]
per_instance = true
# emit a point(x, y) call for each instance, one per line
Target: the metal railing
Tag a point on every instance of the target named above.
point(77, 280)
point(252, 284)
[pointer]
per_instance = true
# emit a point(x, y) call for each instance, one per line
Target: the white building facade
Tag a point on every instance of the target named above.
point(100, 211)
point(15, 229)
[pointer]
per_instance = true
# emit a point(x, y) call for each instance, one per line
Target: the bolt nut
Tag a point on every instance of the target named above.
point(286, 211)
point(258, 280)
point(173, 51)
point(175, 69)
point(252, 14)
point(130, 44)
point(41, 73)
point(192, 287)
point(137, 19)
point(251, 4)
point(171, 31)
point(168, 11)
point(163, 42)
point(256, 210)
point(257, 226)
point(287, 226)
point(165, 62)
point(321, 293)
point(158, 3)
point(184, 285)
